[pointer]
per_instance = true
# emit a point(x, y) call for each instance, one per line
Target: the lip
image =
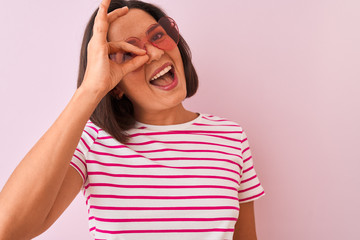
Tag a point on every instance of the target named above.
point(160, 69)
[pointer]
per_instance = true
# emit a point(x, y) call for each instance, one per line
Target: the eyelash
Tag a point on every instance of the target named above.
point(156, 35)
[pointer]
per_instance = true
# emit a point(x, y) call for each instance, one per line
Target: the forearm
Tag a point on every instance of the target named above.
point(245, 225)
point(244, 236)
point(241, 233)
point(31, 190)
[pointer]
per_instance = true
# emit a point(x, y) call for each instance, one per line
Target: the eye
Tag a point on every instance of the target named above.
point(157, 36)
point(127, 56)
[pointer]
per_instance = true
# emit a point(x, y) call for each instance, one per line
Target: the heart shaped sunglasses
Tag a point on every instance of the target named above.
point(164, 35)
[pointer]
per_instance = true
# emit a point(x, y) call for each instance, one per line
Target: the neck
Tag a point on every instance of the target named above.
point(175, 115)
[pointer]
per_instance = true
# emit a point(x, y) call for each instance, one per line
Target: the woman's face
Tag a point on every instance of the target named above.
point(148, 96)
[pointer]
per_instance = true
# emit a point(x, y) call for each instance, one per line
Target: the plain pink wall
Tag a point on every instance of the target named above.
point(287, 71)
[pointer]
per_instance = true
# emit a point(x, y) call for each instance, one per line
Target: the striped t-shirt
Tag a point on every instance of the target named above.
point(181, 181)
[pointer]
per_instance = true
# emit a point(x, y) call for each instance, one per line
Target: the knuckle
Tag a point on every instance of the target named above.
point(96, 47)
point(92, 44)
point(98, 28)
point(134, 64)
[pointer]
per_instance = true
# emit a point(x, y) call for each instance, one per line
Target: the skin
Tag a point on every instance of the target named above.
point(44, 177)
point(245, 225)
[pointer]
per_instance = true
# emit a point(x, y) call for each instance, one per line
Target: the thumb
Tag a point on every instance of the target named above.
point(131, 65)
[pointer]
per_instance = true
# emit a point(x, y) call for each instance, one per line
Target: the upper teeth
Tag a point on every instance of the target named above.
point(165, 70)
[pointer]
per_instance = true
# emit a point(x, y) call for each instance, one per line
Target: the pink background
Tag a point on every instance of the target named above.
point(287, 71)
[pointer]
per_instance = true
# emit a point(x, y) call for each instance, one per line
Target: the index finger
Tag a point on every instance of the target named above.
point(102, 19)
point(113, 15)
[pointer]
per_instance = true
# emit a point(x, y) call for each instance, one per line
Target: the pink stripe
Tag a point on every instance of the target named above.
point(161, 197)
point(207, 159)
point(156, 186)
point(252, 197)
point(75, 166)
point(115, 146)
point(182, 132)
point(246, 170)
point(158, 166)
point(115, 155)
point(95, 129)
point(180, 150)
point(87, 146)
point(79, 151)
point(245, 149)
point(80, 160)
point(168, 230)
point(247, 189)
point(105, 137)
point(212, 125)
point(162, 219)
point(247, 159)
point(180, 142)
point(92, 229)
point(167, 142)
point(89, 135)
point(246, 180)
point(243, 140)
point(162, 150)
point(159, 176)
point(223, 137)
point(163, 208)
point(215, 120)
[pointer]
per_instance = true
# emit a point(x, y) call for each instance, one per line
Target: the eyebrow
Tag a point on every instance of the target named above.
point(152, 27)
point(131, 40)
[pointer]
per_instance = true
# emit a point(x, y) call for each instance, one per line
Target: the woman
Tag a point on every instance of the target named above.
point(149, 168)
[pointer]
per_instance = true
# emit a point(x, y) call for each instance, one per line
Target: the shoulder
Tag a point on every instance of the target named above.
point(98, 135)
point(92, 127)
point(223, 128)
point(216, 121)
point(90, 132)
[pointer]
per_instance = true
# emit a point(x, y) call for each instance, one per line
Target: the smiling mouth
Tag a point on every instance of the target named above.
point(164, 78)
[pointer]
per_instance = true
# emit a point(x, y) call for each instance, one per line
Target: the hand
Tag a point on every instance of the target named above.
point(102, 74)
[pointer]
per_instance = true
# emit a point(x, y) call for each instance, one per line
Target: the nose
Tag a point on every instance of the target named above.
point(153, 52)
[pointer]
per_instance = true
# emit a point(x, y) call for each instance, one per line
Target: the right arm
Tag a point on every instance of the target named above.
point(33, 187)
point(44, 183)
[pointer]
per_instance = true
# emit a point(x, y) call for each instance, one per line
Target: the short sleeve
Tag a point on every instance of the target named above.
point(250, 186)
point(78, 160)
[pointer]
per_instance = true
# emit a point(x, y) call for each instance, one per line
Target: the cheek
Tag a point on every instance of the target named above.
point(176, 56)
point(133, 78)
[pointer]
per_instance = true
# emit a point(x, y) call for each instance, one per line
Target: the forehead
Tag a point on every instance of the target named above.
point(133, 24)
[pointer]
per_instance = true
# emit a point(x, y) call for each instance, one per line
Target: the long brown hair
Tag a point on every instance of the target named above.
point(117, 115)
